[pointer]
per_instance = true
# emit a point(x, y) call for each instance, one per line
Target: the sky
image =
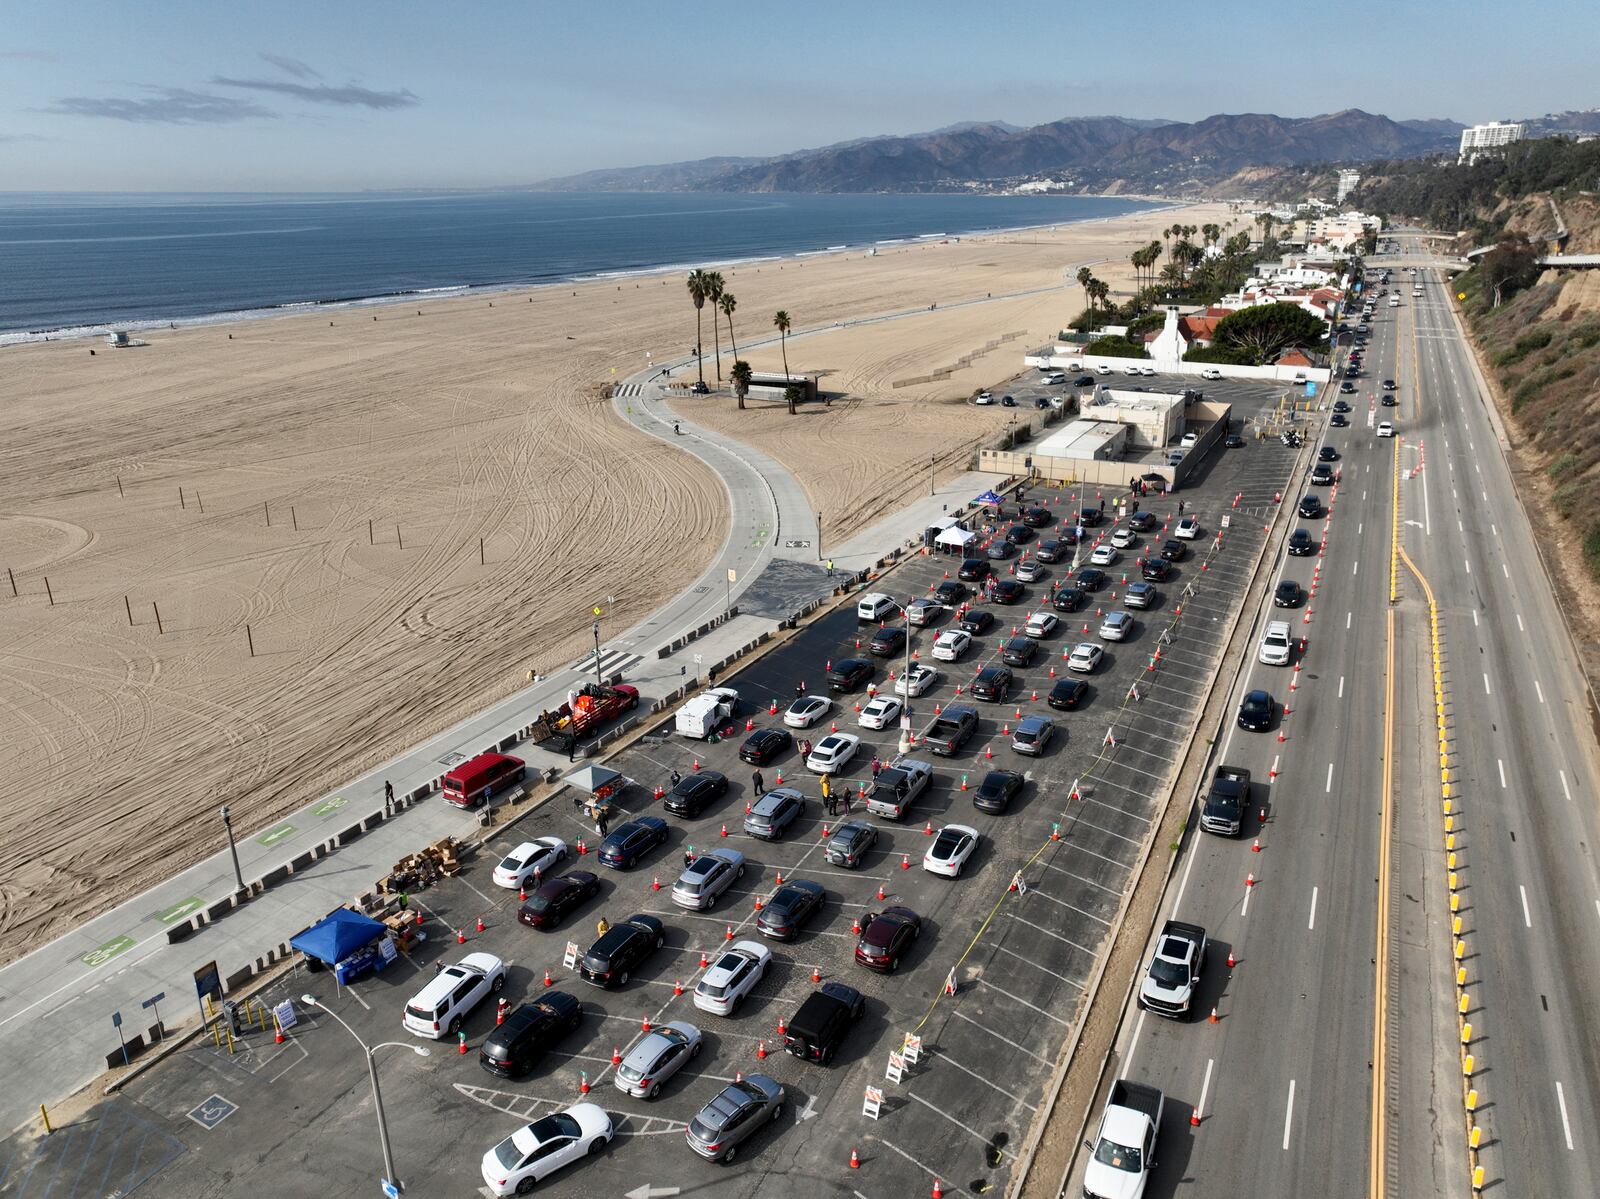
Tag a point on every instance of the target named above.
point(343, 95)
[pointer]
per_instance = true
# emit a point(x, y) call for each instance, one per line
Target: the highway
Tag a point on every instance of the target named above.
point(1299, 1077)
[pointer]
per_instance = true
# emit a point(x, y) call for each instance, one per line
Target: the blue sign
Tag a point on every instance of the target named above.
point(389, 1189)
point(1311, 387)
point(154, 999)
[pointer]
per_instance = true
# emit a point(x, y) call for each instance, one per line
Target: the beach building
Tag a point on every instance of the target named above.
point(774, 385)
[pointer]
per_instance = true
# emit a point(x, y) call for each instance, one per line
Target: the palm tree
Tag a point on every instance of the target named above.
point(780, 322)
point(698, 293)
point(1084, 276)
point(1098, 293)
point(714, 295)
point(1213, 233)
point(727, 303)
point(740, 378)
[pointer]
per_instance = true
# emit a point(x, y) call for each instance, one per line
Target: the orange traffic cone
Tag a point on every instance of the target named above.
point(905, 861)
point(881, 895)
point(761, 1048)
point(644, 1025)
point(927, 829)
point(480, 924)
point(677, 986)
point(548, 981)
point(1194, 1117)
point(1255, 846)
point(727, 934)
point(816, 974)
point(616, 1056)
point(461, 936)
point(1212, 1018)
point(855, 1160)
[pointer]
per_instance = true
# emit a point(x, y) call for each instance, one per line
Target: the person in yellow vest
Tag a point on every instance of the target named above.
point(602, 927)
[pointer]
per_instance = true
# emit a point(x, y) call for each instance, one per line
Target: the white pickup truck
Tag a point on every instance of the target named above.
point(1174, 970)
point(706, 713)
point(1123, 1154)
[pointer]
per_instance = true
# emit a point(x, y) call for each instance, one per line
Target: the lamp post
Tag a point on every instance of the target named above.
point(227, 823)
point(905, 711)
point(598, 677)
point(372, 1073)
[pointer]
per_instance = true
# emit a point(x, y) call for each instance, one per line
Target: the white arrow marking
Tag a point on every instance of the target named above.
point(808, 1112)
point(649, 1192)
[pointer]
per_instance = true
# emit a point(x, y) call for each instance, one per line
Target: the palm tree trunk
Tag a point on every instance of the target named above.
point(699, 346)
point(716, 356)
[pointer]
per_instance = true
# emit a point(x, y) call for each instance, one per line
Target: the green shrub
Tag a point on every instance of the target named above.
point(1563, 465)
point(1565, 499)
point(1591, 549)
point(1115, 347)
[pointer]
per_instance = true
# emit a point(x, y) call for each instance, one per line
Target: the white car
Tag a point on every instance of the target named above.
point(1085, 657)
point(1211, 372)
point(439, 1009)
point(1053, 379)
point(536, 1151)
point(1102, 369)
point(833, 753)
point(1116, 626)
point(983, 397)
point(951, 644)
point(1147, 370)
point(1385, 429)
point(875, 605)
point(528, 859)
point(807, 710)
point(1276, 644)
point(881, 712)
point(1104, 555)
point(1124, 539)
point(1132, 369)
point(731, 977)
point(1188, 529)
point(916, 681)
point(1041, 624)
point(951, 848)
point(1189, 440)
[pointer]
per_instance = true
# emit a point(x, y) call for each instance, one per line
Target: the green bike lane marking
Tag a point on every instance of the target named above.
point(102, 955)
point(273, 835)
point(184, 907)
point(329, 806)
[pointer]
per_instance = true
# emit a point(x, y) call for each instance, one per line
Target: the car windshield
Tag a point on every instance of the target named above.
point(946, 843)
point(1118, 1157)
point(1170, 975)
point(507, 1154)
point(539, 903)
point(557, 1124)
point(711, 990)
point(512, 863)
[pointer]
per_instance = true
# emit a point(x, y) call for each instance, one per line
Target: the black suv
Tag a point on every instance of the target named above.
point(950, 593)
point(1155, 570)
point(815, 1031)
point(623, 848)
point(1288, 595)
point(993, 683)
point(974, 570)
point(1310, 507)
point(1068, 693)
point(849, 674)
point(693, 792)
point(1173, 550)
point(1089, 517)
point(1142, 522)
point(1017, 534)
point(997, 790)
point(887, 642)
point(1037, 517)
point(761, 746)
point(530, 1032)
point(1049, 550)
point(1008, 591)
point(617, 954)
point(1019, 651)
point(976, 621)
point(1069, 599)
point(1089, 578)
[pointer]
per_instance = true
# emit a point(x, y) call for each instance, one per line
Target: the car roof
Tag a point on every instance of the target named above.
point(1033, 722)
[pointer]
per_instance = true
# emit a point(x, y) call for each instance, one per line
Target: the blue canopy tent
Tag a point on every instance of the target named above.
point(347, 941)
point(988, 497)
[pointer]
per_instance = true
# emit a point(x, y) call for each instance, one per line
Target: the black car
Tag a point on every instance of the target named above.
point(619, 952)
point(1089, 578)
point(1233, 442)
point(993, 683)
point(529, 1032)
point(1347, 388)
point(1173, 550)
point(1389, 401)
point(1302, 544)
point(1008, 401)
point(1288, 595)
point(1019, 534)
point(1019, 651)
point(887, 641)
point(699, 388)
point(1310, 507)
point(1353, 373)
point(1155, 570)
point(998, 789)
point(848, 674)
point(555, 900)
point(761, 746)
point(1049, 550)
point(1089, 517)
point(1008, 591)
point(789, 908)
point(1000, 549)
point(1328, 454)
point(1322, 475)
point(1388, 384)
point(1083, 381)
point(974, 570)
point(694, 791)
point(1338, 420)
point(626, 844)
point(976, 621)
point(950, 593)
point(1068, 694)
point(1037, 517)
point(1069, 599)
point(1142, 522)
point(1256, 711)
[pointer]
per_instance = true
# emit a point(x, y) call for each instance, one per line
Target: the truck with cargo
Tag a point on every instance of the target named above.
point(702, 715)
point(951, 729)
point(1171, 978)
point(1123, 1152)
point(585, 711)
point(897, 787)
point(1226, 802)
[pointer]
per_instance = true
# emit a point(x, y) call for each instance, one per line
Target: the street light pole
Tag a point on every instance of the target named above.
point(227, 823)
point(598, 677)
point(372, 1074)
point(905, 709)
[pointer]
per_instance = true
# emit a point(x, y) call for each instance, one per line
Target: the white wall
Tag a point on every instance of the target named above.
point(1090, 361)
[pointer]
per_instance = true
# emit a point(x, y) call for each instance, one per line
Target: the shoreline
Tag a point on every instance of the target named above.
point(18, 337)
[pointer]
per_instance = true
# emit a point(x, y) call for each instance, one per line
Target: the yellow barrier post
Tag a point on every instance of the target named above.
point(45, 1116)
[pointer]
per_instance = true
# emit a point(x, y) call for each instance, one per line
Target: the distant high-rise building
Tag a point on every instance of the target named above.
point(1477, 138)
point(1348, 182)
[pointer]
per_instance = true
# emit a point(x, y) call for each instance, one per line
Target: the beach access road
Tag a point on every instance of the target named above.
point(1019, 960)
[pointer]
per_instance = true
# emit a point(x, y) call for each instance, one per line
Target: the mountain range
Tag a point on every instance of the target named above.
point(1105, 154)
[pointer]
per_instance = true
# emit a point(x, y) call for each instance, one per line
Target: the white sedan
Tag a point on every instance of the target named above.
point(1085, 657)
point(1104, 555)
point(833, 753)
point(881, 712)
point(950, 850)
point(731, 977)
point(807, 710)
point(536, 1151)
point(951, 644)
point(1188, 528)
point(1124, 539)
point(1042, 624)
point(538, 856)
point(983, 397)
point(918, 680)
point(1385, 429)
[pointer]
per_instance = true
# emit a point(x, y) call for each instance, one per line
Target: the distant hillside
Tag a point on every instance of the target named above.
point(1105, 154)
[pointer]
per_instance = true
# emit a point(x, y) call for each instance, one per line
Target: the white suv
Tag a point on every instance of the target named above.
point(1276, 644)
point(875, 605)
point(439, 1008)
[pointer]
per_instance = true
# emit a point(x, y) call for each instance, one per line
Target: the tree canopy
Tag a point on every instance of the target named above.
point(1268, 329)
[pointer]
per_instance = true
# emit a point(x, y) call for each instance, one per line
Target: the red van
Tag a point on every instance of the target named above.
point(470, 783)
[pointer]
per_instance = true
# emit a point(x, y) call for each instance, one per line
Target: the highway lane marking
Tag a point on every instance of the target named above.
point(1474, 618)
point(1505, 570)
point(1355, 568)
point(1493, 532)
point(1183, 883)
point(1538, 690)
point(1526, 918)
point(1138, 1027)
point(1329, 788)
point(1564, 789)
point(1487, 690)
point(1341, 686)
point(1361, 524)
point(1347, 617)
point(1312, 922)
point(1288, 1115)
point(1468, 561)
point(1500, 762)
point(1566, 1125)
point(1520, 627)
point(1485, 497)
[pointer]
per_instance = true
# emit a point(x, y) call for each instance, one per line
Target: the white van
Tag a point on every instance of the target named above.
point(875, 605)
point(705, 713)
point(1275, 646)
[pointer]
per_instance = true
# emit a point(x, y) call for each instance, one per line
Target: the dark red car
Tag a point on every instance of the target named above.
point(886, 938)
point(554, 902)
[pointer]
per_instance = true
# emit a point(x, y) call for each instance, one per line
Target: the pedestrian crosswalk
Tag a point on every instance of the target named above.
point(612, 661)
point(628, 390)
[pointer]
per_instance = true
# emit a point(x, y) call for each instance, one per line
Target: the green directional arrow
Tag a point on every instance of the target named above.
point(102, 955)
point(329, 806)
point(273, 835)
point(180, 909)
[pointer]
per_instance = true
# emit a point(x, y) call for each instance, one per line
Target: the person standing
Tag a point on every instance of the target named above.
point(1180, 507)
point(601, 821)
point(827, 791)
point(572, 745)
point(1102, 507)
point(800, 689)
point(676, 779)
point(756, 781)
point(388, 794)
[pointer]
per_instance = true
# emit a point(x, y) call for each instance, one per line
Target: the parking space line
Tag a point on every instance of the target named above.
point(961, 1124)
point(1566, 1125)
point(1100, 829)
point(983, 982)
point(1081, 878)
point(931, 1173)
point(1311, 923)
point(1527, 918)
point(1070, 907)
point(1288, 1115)
point(1054, 936)
point(1144, 820)
point(962, 1016)
point(944, 1056)
point(1121, 865)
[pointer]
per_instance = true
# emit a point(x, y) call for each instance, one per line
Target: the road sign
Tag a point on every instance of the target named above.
point(912, 1051)
point(569, 960)
point(154, 999)
point(873, 1103)
point(896, 1070)
point(208, 981)
point(1226, 520)
point(389, 1189)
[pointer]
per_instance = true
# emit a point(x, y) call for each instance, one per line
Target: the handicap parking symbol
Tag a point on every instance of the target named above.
point(212, 1111)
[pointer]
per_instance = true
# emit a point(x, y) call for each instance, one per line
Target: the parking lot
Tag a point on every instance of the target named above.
point(296, 1119)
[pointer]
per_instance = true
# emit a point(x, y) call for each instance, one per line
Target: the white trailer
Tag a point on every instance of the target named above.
point(703, 715)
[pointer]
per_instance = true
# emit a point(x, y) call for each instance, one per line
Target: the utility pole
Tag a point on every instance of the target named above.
point(819, 536)
point(598, 677)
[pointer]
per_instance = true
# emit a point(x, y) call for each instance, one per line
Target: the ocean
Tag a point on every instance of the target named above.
point(80, 264)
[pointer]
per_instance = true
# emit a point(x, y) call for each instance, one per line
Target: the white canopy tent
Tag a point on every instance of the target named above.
point(955, 538)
